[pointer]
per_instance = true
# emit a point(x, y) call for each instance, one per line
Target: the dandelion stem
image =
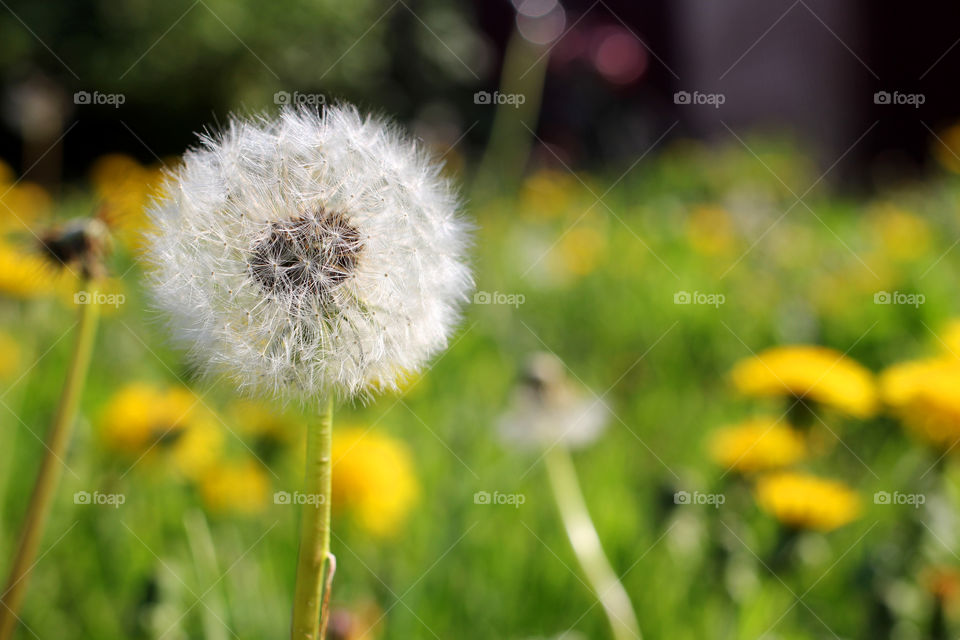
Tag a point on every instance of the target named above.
point(586, 545)
point(314, 529)
point(51, 468)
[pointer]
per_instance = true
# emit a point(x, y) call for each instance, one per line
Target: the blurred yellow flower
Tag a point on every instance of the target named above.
point(580, 250)
point(710, 230)
point(757, 444)
point(235, 487)
point(804, 501)
point(9, 355)
point(263, 422)
point(125, 187)
point(950, 338)
point(142, 418)
point(901, 234)
point(373, 477)
point(548, 194)
point(22, 205)
point(925, 395)
point(812, 372)
point(27, 274)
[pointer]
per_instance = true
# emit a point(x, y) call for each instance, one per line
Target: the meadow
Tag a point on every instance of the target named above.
point(176, 515)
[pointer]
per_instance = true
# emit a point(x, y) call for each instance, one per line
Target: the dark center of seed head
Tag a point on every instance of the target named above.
point(308, 255)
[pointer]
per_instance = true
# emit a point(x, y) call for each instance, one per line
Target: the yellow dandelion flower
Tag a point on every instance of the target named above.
point(813, 372)
point(548, 194)
point(580, 250)
point(710, 230)
point(804, 501)
point(950, 338)
point(756, 445)
point(125, 186)
point(140, 414)
point(23, 205)
point(235, 487)
point(373, 478)
point(901, 234)
point(261, 421)
point(26, 274)
point(197, 447)
point(925, 395)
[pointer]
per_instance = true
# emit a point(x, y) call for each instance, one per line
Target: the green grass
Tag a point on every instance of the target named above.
point(462, 570)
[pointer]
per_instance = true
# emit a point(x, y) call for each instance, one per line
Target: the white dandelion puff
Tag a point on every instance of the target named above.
point(311, 255)
point(549, 410)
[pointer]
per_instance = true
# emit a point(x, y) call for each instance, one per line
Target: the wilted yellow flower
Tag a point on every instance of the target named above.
point(9, 355)
point(925, 395)
point(804, 501)
point(27, 274)
point(235, 487)
point(756, 445)
point(812, 372)
point(373, 477)
point(142, 418)
point(710, 230)
point(902, 235)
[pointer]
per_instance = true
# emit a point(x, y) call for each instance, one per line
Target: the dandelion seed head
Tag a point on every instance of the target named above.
point(311, 254)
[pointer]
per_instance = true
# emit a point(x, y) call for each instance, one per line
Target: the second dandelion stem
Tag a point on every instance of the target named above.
point(51, 468)
point(586, 545)
point(314, 529)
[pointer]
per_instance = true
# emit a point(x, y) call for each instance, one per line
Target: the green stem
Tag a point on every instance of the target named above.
point(51, 468)
point(314, 529)
point(586, 545)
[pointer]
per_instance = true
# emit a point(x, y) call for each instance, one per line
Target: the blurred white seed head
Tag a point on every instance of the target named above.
point(311, 254)
point(549, 409)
